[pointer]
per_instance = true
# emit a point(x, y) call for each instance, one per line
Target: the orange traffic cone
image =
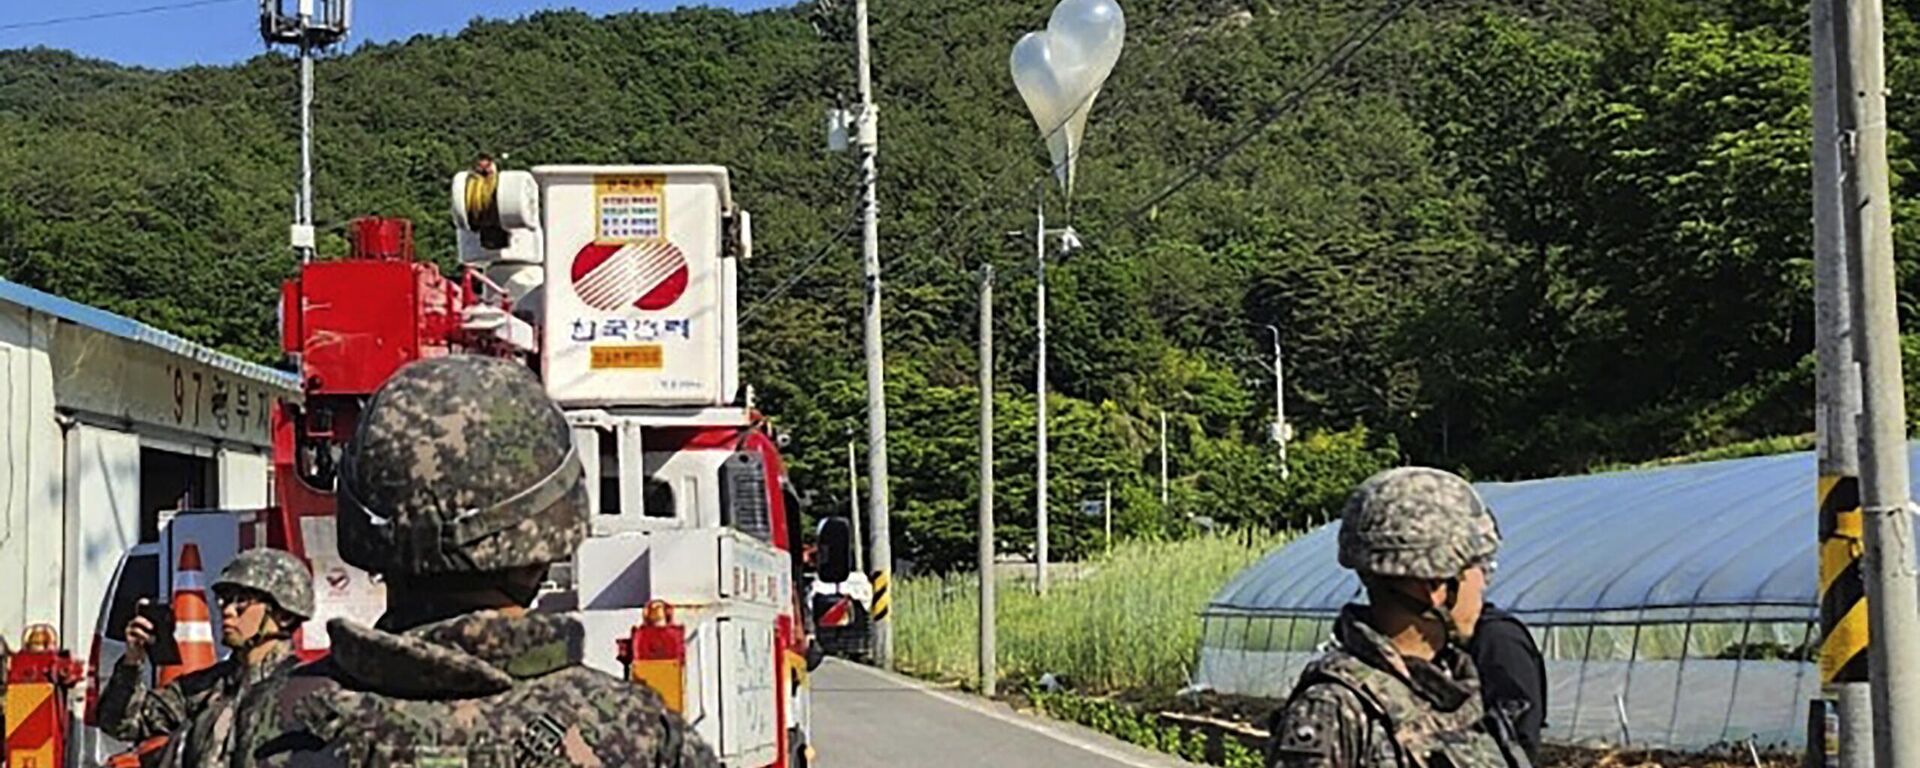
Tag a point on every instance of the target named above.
point(192, 622)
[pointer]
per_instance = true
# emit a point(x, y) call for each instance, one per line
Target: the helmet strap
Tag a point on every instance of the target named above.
point(278, 630)
point(1449, 632)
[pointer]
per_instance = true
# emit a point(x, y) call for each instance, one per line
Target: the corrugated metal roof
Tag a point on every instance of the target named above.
point(1720, 541)
point(138, 332)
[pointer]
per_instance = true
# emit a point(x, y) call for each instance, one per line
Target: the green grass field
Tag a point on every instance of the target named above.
point(1124, 622)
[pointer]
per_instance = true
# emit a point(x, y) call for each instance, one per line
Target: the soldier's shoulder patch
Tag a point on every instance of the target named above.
point(1305, 739)
point(1307, 731)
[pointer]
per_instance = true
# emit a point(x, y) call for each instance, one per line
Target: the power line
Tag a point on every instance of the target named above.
point(1336, 60)
point(1341, 55)
point(1323, 70)
point(992, 180)
point(806, 267)
point(1166, 17)
point(116, 14)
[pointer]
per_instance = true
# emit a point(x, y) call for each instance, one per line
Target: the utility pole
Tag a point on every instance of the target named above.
point(986, 648)
point(1040, 388)
point(313, 25)
point(1279, 403)
point(1893, 607)
point(1163, 461)
point(1843, 647)
point(881, 547)
point(853, 510)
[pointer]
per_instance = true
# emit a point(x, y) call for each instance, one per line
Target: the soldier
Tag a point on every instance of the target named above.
point(264, 594)
point(1397, 689)
point(460, 487)
point(1513, 674)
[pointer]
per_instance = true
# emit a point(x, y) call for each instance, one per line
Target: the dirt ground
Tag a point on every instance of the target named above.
point(1574, 757)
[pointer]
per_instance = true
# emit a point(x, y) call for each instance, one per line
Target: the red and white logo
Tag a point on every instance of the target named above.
point(649, 275)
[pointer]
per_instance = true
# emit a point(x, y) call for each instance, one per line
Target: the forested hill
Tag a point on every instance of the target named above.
point(1510, 238)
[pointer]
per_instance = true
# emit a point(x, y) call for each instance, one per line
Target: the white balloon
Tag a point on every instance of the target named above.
point(1060, 72)
point(1086, 37)
point(1034, 75)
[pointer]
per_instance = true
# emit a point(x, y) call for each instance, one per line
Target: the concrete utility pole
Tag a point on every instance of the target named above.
point(881, 547)
point(1893, 607)
point(1040, 390)
point(986, 648)
point(1843, 625)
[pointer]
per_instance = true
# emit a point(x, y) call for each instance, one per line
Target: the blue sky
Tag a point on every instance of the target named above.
point(226, 31)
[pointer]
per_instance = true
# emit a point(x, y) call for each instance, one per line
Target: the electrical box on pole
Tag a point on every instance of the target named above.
point(839, 129)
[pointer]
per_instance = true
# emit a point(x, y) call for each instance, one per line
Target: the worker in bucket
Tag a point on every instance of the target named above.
point(264, 595)
point(460, 487)
point(1397, 688)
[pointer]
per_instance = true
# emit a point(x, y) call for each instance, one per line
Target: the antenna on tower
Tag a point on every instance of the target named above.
point(309, 25)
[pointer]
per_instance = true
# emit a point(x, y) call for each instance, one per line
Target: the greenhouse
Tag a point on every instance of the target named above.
point(1676, 607)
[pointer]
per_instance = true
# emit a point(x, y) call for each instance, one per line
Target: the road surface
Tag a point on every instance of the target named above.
point(864, 718)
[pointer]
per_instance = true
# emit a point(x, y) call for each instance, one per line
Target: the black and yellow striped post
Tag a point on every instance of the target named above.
point(1837, 411)
point(882, 596)
point(1843, 595)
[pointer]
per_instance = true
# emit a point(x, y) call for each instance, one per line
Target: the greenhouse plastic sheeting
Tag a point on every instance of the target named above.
point(1721, 541)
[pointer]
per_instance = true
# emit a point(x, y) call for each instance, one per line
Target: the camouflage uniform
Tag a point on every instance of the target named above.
point(204, 712)
point(462, 473)
point(1362, 703)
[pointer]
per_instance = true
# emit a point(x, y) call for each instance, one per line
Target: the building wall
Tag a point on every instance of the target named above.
point(32, 462)
point(103, 520)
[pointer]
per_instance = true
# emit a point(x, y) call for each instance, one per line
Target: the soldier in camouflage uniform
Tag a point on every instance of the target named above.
point(461, 487)
point(264, 595)
point(1396, 689)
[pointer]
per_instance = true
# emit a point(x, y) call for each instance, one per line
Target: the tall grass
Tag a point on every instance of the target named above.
point(1124, 622)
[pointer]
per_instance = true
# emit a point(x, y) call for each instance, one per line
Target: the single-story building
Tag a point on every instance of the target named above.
point(105, 422)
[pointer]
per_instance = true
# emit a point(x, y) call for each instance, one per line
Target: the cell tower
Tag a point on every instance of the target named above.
point(309, 25)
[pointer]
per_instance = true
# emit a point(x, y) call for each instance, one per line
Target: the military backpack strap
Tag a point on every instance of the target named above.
point(1499, 723)
point(673, 747)
point(1349, 674)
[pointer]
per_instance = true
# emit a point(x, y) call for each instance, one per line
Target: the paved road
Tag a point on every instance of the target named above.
point(868, 719)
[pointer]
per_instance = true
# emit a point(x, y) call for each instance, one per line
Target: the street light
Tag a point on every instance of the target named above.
point(1059, 72)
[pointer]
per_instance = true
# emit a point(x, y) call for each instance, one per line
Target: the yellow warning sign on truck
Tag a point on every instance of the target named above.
point(646, 357)
point(629, 208)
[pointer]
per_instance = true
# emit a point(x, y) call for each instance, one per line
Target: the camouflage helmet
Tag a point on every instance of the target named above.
point(460, 465)
point(1416, 522)
point(274, 573)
